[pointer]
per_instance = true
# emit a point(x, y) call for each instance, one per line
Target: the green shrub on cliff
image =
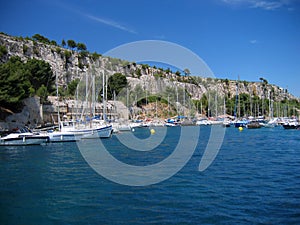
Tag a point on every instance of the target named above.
point(116, 83)
point(3, 50)
point(14, 85)
point(72, 87)
point(19, 80)
point(40, 73)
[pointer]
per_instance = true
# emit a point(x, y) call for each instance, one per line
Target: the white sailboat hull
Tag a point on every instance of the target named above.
point(64, 137)
point(102, 132)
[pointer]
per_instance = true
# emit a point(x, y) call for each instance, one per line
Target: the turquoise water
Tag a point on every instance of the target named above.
point(255, 179)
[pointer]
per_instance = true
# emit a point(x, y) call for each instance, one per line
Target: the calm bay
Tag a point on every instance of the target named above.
point(254, 179)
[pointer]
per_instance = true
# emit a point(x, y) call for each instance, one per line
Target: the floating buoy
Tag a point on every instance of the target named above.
point(152, 131)
point(132, 130)
point(240, 129)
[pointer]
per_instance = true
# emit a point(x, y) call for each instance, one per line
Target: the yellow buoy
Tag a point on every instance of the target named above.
point(240, 128)
point(152, 131)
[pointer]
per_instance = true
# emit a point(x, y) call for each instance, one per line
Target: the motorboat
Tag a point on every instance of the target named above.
point(240, 123)
point(253, 125)
point(291, 124)
point(24, 136)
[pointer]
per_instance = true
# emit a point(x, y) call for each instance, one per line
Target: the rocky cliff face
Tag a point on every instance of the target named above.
point(68, 65)
point(65, 63)
point(30, 115)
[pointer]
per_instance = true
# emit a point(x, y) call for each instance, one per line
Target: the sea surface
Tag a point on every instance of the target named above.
point(254, 179)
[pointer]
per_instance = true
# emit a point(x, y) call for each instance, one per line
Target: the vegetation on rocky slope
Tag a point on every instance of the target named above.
point(40, 59)
point(19, 80)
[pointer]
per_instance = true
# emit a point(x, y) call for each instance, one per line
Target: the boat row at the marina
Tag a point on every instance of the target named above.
point(71, 131)
point(253, 123)
point(68, 131)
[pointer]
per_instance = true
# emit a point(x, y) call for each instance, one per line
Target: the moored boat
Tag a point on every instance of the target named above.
point(24, 136)
point(271, 123)
point(120, 127)
point(253, 125)
point(241, 123)
point(69, 132)
point(202, 122)
point(291, 124)
point(226, 123)
point(102, 131)
point(171, 122)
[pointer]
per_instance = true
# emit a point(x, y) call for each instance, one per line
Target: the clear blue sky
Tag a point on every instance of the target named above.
point(249, 38)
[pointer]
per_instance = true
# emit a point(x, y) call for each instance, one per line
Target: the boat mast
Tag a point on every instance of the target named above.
point(168, 104)
point(76, 102)
point(177, 100)
point(239, 102)
point(236, 100)
point(201, 108)
point(57, 97)
point(127, 101)
point(270, 110)
point(105, 98)
point(183, 100)
point(115, 106)
point(251, 104)
point(103, 95)
point(216, 102)
point(262, 102)
point(93, 95)
point(156, 108)
point(224, 110)
point(208, 105)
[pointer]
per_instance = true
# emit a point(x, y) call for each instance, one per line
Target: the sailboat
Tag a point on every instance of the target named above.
point(237, 109)
point(97, 128)
point(119, 125)
point(226, 121)
point(273, 122)
point(75, 130)
point(69, 131)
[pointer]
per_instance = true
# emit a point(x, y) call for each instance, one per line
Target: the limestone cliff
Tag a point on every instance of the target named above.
point(69, 64)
